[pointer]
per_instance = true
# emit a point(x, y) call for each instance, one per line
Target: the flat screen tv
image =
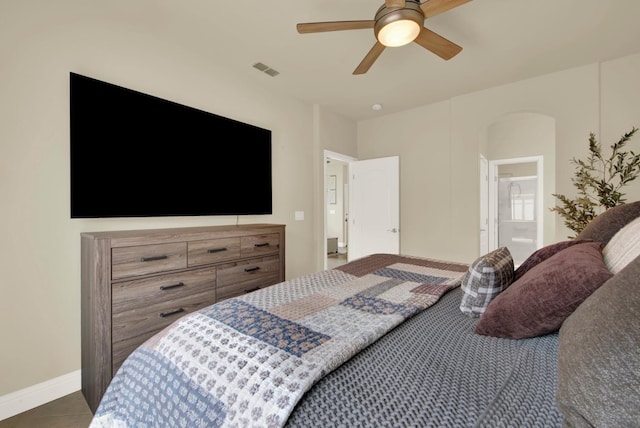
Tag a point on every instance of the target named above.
point(136, 155)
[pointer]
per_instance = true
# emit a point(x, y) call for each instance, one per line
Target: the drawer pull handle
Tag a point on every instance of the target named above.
point(153, 259)
point(216, 250)
point(252, 269)
point(169, 313)
point(252, 289)
point(169, 287)
point(265, 244)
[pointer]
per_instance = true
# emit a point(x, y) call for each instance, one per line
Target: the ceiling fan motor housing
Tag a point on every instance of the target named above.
point(389, 15)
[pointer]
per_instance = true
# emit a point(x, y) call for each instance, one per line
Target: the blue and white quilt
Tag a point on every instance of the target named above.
point(247, 361)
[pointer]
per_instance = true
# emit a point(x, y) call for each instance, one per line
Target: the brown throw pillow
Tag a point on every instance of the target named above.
point(546, 295)
point(543, 254)
point(598, 356)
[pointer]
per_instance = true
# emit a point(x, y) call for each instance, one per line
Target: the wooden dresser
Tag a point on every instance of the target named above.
point(136, 282)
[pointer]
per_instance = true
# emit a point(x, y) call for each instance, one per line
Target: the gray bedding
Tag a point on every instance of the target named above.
point(380, 341)
point(433, 371)
point(427, 369)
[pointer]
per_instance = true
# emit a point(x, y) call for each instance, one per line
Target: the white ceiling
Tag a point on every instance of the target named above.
point(503, 41)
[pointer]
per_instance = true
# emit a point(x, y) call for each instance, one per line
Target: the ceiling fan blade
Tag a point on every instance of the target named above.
point(435, 7)
point(437, 44)
point(395, 3)
point(369, 59)
point(318, 27)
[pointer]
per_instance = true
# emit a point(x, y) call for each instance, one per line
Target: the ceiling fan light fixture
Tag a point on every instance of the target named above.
point(399, 33)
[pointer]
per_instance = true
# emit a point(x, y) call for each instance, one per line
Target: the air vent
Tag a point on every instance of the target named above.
point(260, 66)
point(266, 69)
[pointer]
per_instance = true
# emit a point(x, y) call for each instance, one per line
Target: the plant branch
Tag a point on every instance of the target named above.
point(598, 181)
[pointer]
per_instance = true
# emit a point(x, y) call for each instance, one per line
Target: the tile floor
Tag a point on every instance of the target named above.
point(70, 411)
point(336, 259)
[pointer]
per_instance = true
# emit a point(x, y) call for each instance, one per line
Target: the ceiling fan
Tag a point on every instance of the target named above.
point(396, 23)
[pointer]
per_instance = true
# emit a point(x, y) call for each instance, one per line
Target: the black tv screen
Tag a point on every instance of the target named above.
point(136, 155)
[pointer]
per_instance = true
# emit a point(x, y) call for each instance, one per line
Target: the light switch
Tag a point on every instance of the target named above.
point(299, 215)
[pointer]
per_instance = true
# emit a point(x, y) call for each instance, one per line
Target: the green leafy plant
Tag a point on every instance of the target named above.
point(598, 181)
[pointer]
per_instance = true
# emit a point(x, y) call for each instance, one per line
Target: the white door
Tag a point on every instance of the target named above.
point(345, 219)
point(374, 207)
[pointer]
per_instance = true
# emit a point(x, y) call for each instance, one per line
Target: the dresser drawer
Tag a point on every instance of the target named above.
point(256, 245)
point(213, 251)
point(132, 328)
point(122, 349)
point(139, 293)
point(245, 276)
point(146, 259)
point(143, 307)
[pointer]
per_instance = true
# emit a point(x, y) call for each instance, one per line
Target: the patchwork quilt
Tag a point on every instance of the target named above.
point(247, 361)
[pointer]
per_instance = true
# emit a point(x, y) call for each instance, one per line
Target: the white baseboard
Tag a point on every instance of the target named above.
point(39, 394)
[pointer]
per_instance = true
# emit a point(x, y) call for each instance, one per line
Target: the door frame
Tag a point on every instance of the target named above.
point(493, 197)
point(337, 157)
point(484, 205)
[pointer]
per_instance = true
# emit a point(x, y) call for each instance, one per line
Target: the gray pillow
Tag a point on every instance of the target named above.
point(599, 356)
point(603, 227)
point(487, 277)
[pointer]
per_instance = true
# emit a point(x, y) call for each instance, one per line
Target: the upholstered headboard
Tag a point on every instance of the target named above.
point(599, 343)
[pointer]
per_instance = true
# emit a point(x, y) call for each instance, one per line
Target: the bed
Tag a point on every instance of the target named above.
point(393, 340)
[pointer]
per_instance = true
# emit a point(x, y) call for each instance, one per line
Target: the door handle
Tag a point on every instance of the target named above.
point(394, 230)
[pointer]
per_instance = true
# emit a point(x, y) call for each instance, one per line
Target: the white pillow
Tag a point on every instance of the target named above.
point(623, 247)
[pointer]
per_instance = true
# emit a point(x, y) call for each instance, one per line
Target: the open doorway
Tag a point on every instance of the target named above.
point(515, 206)
point(362, 206)
point(336, 209)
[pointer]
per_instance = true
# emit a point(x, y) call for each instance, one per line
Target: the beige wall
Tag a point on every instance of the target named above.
point(437, 144)
point(335, 134)
point(421, 138)
point(620, 107)
point(40, 250)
